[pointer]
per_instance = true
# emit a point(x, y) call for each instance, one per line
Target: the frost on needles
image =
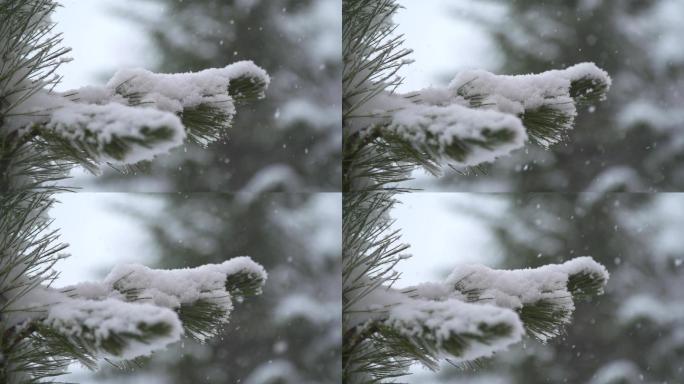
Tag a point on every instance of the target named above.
point(477, 118)
point(135, 117)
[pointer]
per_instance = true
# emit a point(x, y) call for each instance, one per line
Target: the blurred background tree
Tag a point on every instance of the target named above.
point(632, 142)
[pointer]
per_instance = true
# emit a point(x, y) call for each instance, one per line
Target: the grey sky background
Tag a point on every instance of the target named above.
point(445, 39)
point(101, 41)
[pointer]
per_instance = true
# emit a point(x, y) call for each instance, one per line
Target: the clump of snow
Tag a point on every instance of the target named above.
point(449, 305)
point(516, 288)
point(99, 320)
point(441, 127)
point(134, 105)
point(440, 316)
point(519, 93)
point(100, 125)
point(444, 321)
point(175, 92)
point(522, 93)
point(131, 300)
point(172, 288)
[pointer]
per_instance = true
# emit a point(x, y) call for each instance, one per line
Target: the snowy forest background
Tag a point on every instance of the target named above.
point(628, 143)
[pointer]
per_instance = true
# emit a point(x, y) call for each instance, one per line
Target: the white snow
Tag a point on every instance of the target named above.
point(172, 288)
point(100, 125)
point(134, 102)
point(515, 94)
point(439, 317)
point(441, 321)
point(516, 288)
point(175, 92)
point(132, 297)
point(520, 93)
point(443, 126)
point(98, 320)
point(437, 311)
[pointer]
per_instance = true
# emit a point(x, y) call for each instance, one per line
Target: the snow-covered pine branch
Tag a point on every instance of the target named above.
point(481, 116)
point(474, 313)
point(135, 310)
point(137, 115)
point(43, 135)
point(476, 119)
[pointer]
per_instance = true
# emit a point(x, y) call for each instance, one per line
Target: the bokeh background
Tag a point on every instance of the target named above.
point(633, 141)
point(269, 190)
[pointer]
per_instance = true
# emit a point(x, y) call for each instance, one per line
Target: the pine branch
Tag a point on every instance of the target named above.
point(543, 297)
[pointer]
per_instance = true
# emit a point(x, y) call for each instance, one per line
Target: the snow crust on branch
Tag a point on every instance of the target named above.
point(515, 288)
point(137, 308)
point(175, 287)
point(102, 125)
point(444, 321)
point(477, 310)
point(519, 93)
point(481, 116)
point(178, 91)
point(137, 115)
point(100, 320)
point(442, 127)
